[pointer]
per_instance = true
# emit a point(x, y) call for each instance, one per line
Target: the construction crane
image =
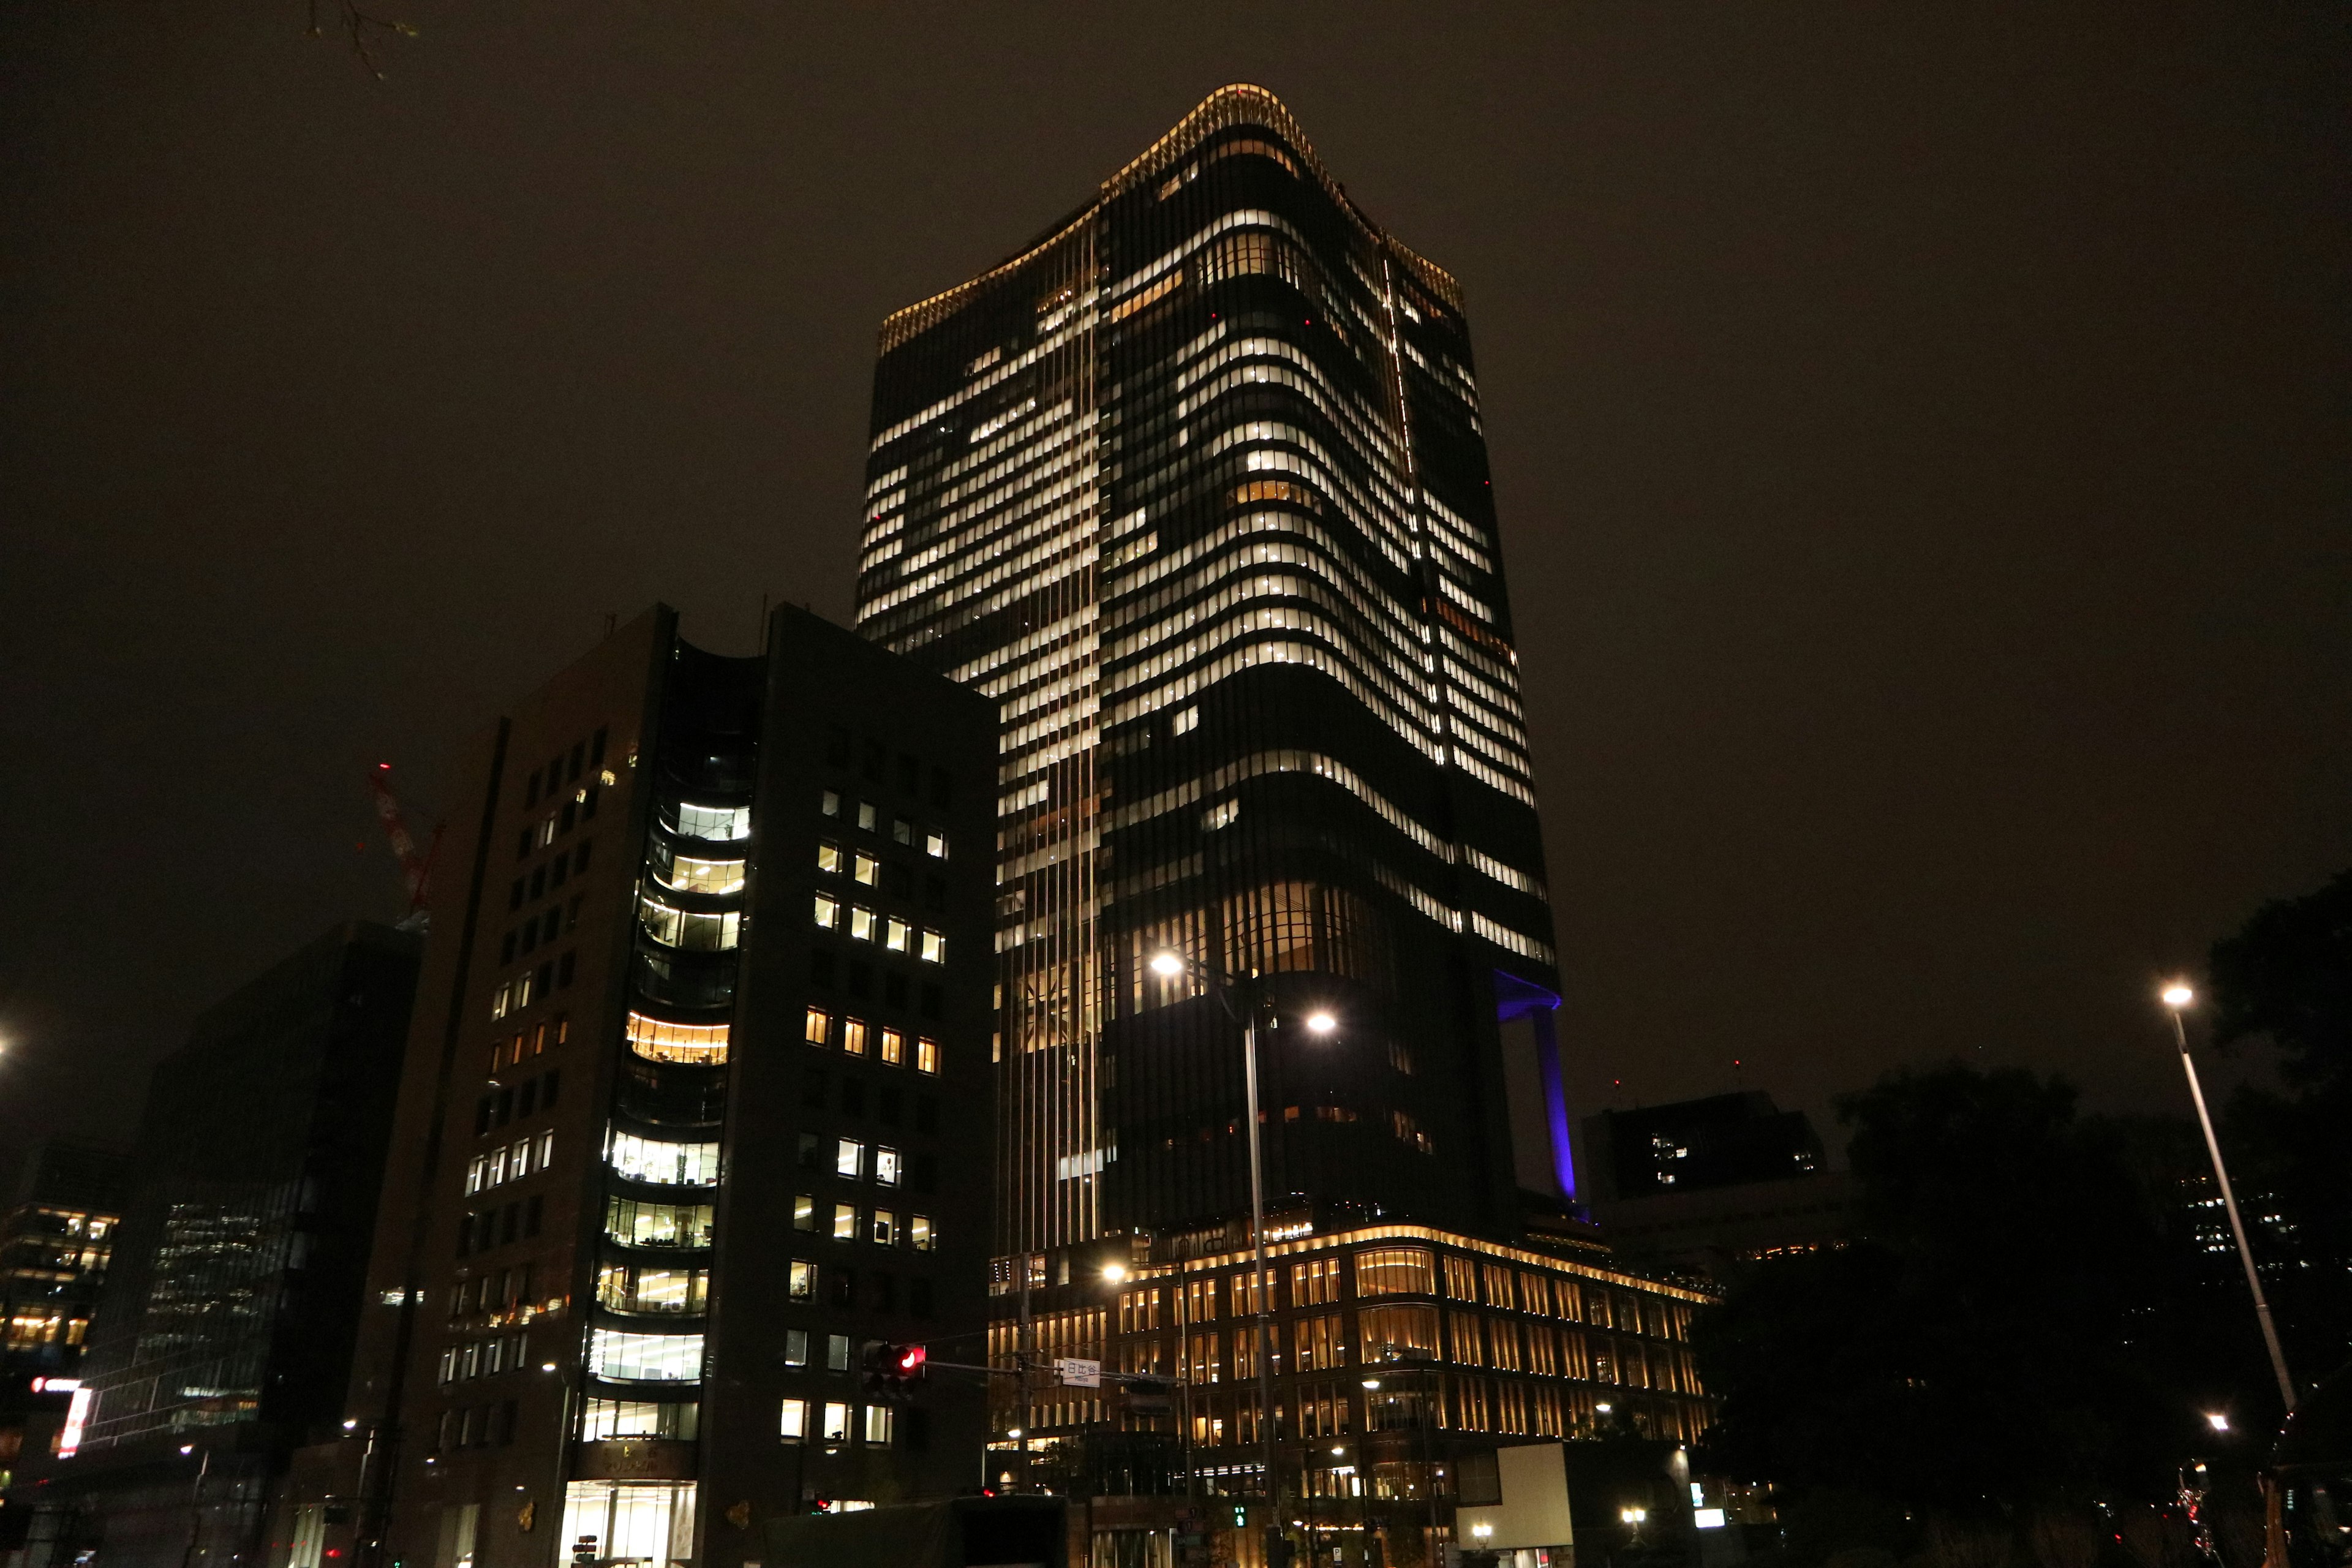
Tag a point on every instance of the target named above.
point(415, 869)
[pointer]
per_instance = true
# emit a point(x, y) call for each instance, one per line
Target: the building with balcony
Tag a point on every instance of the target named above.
point(695, 1114)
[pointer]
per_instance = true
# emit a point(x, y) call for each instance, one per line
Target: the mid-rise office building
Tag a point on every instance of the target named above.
point(55, 1244)
point(695, 1113)
point(1715, 1141)
point(1195, 487)
point(225, 1333)
point(1705, 1187)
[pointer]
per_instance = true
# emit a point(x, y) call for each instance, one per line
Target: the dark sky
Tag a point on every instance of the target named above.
point(1920, 435)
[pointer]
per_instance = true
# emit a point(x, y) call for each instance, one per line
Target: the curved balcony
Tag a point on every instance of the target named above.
point(638, 1356)
point(684, 980)
point(654, 1161)
point(663, 1098)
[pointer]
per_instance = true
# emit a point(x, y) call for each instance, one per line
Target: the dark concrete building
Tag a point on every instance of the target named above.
point(1716, 1141)
point(696, 1112)
point(55, 1244)
point(225, 1333)
point(1703, 1187)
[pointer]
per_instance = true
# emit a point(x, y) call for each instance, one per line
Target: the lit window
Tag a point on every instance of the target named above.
point(689, 875)
point(474, 1173)
point(861, 923)
point(522, 991)
point(887, 1167)
point(497, 1168)
point(919, 1231)
point(725, 823)
point(816, 1027)
point(935, 844)
point(519, 1161)
point(804, 1281)
point(844, 1222)
point(828, 913)
point(866, 815)
point(895, 938)
point(828, 858)
point(848, 1158)
point(934, 947)
point(805, 1213)
point(852, 1037)
point(884, 1230)
point(797, 1347)
point(610, 1418)
point(877, 1426)
point(869, 869)
point(793, 1425)
point(659, 1040)
point(501, 1003)
point(547, 1149)
point(618, 1355)
point(663, 1162)
point(894, 1048)
point(836, 1427)
point(927, 1056)
point(830, 803)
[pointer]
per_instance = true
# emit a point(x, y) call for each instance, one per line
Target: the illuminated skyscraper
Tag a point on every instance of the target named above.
point(1196, 488)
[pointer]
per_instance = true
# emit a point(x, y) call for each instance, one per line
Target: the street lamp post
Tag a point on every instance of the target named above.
point(2177, 997)
point(1168, 965)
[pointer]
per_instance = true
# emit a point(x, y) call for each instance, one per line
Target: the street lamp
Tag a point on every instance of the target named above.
point(2176, 997)
point(2216, 1420)
point(1169, 965)
point(1114, 1273)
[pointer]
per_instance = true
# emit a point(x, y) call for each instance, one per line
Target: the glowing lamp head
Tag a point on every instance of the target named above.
point(2216, 1420)
point(1321, 1023)
point(1371, 1382)
point(1482, 1531)
point(1167, 966)
point(1114, 1272)
point(2178, 995)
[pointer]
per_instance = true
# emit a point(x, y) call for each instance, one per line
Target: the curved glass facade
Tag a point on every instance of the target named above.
point(662, 1143)
point(1197, 489)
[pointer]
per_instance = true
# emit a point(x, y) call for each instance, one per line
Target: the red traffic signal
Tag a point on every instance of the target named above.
point(907, 1363)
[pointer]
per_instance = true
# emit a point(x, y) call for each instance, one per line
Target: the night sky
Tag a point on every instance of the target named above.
point(1920, 435)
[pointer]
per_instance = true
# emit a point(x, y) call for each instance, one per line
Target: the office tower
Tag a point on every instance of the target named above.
point(1196, 489)
point(691, 1116)
point(55, 1244)
point(233, 1302)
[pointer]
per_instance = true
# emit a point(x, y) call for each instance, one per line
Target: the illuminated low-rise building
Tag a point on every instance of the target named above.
point(55, 1244)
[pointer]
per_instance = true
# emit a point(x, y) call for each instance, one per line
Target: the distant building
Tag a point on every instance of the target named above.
point(55, 1244)
point(224, 1336)
point(696, 1114)
point(1716, 1141)
point(1701, 1186)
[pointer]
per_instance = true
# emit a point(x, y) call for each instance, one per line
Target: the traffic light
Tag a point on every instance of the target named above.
point(892, 1368)
point(1241, 1517)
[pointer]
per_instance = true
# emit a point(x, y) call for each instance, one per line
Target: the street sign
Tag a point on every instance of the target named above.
point(1076, 1372)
